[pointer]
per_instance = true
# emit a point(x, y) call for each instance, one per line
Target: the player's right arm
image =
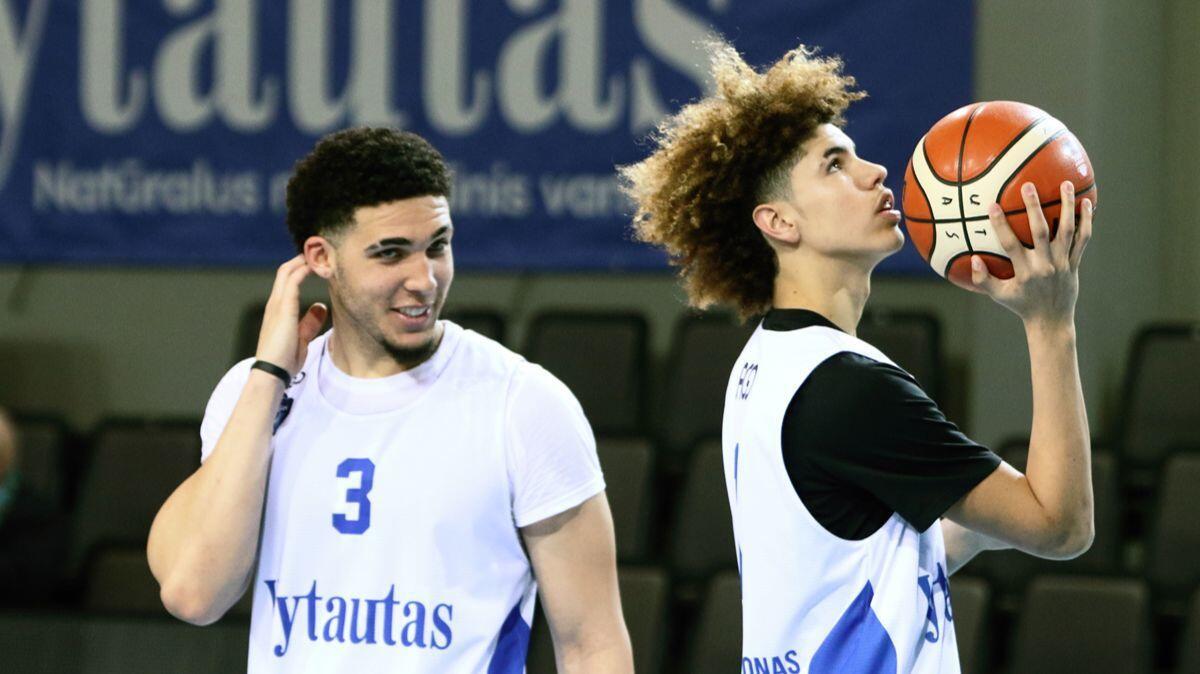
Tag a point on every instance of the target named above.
point(203, 542)
point(1048, 510)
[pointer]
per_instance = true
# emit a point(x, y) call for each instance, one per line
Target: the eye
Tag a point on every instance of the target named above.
point(834, 164)
point(439, 246)
point(389, 254)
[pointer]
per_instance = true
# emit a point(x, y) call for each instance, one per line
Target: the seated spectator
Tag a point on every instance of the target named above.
point(33, 537)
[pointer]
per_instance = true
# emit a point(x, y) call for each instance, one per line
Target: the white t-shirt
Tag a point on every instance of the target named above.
point(390, 536)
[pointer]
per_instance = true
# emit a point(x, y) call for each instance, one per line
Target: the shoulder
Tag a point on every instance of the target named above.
point(851, 396)
point(480, 357)
point(847, 376)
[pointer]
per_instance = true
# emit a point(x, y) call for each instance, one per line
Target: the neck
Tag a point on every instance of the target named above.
point(836, 289)
point(359, 355)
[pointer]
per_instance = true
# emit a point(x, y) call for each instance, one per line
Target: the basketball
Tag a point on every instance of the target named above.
point(980, 154)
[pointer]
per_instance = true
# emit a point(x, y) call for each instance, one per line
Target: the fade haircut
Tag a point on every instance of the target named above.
point(720, 157)
point(357, 168)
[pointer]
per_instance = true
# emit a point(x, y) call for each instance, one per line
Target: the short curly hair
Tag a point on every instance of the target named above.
point(720, 157)
point(360, 167)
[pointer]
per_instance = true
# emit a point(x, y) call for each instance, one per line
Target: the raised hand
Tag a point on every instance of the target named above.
point(1045, 282)
point(284, 337)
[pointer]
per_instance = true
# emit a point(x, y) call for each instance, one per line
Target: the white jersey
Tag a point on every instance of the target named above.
point(812, 602)
point(390, 536)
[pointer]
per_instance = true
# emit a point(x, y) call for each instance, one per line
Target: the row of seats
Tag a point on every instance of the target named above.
point(1095, 625)
point(682, 521)
point(614, 383)
point(1159, 400)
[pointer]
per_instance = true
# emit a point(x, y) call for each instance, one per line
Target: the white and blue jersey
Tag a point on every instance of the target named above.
point(390, 538)
point(842, 562)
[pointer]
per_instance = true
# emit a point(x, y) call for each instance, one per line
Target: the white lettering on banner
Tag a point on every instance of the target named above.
point(106, 107)
point(500, 192)
point(18, 54)
point(575, 30)
point(681, 46)
point(583, 196)
point(458, 96)
point(127, 187)
point(368, 93)
point(231, 31)
point(444, 81)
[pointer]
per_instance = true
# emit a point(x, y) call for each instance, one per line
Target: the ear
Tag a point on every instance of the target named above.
point(320, 255)
point(777, 222)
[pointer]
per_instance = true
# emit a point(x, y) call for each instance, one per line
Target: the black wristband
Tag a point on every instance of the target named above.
point(273, 369)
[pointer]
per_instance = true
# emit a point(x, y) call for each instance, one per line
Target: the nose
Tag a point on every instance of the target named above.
point(873, 175)
point(420, 279)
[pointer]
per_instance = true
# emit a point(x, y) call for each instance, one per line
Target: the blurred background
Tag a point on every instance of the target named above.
point(143, 152)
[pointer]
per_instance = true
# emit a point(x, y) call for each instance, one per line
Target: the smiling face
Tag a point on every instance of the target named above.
point(389, 273)
point(838, 202)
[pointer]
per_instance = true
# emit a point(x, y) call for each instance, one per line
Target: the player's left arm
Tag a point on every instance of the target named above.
point(574, 560)
point(962, 544)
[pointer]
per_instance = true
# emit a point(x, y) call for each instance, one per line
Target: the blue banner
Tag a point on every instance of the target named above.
point(162, 132)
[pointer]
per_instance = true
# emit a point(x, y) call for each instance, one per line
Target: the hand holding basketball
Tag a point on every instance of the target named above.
point(982, 154)
point(1045, 281)
point(284, 337)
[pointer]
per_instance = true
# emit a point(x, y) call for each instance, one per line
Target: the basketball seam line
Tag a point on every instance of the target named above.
point(1000, 156)
point(928, 203)
point(1036, 150)
point(1016, 211)
point(962, 210)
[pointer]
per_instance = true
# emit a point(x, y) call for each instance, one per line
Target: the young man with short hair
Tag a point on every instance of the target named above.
point(398, 489)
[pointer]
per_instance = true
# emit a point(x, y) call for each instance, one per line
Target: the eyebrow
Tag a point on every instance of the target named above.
point(836, 149)
point(403, 242)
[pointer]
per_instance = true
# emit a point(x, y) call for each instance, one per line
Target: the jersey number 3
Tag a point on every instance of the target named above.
point(356, 496)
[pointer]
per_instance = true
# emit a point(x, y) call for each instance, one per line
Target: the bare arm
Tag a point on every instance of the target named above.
point(574, 561)
point(203, 542)
point(1047, 511)
point(963, 544)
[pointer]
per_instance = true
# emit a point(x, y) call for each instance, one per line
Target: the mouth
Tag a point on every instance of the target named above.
point(887, 206)
point(416, 315)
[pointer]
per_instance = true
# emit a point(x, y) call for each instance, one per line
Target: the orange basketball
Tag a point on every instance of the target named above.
point(980, 154)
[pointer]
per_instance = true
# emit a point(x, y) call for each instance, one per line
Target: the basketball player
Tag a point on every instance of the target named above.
point(394, 486)
point(853, 498)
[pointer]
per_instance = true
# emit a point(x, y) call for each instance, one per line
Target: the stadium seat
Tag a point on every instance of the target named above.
point(1159, 401)
point(43, 442)
point(250, 323)
point(134, 468)
point(1080, 624)
point(118, 580)
point(702, 536)
point(488, 323)
point(716, 642)
point(913, 340)
point(1189, 652)
point(970, 603)
point(1174, 545)
point(703, 351)
point(628, 466)
point(644, 594)
point(69, 644)
point(1011, 570)
point(602, 358)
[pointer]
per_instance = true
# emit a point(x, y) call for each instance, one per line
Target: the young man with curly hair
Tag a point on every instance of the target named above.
point(398, 489)
point(853, 498)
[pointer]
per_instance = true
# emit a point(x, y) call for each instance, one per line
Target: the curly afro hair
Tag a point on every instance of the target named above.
point(720, 157)
point(356, 168)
